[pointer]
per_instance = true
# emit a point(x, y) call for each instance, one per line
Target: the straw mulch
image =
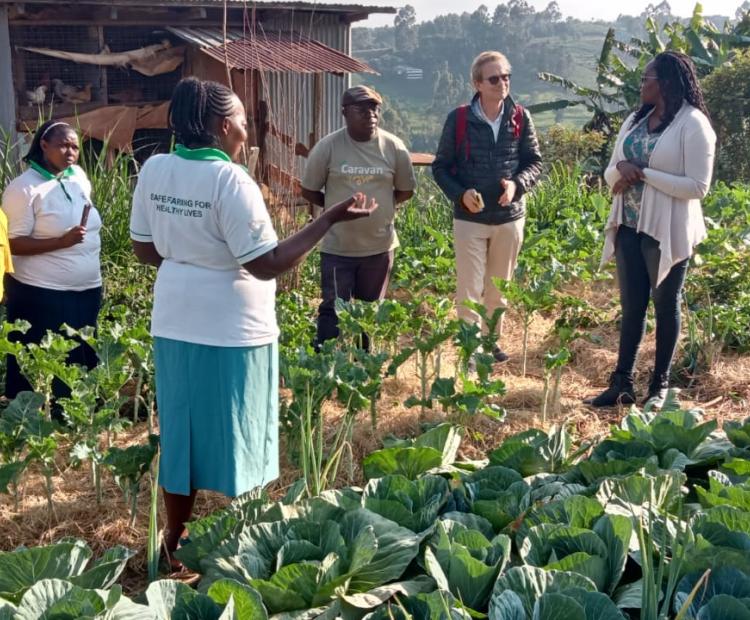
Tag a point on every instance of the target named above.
point(723, 391)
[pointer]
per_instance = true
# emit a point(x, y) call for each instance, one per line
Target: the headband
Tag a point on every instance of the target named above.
point(46, 131)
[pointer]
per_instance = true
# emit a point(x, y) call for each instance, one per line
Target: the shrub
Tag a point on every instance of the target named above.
point(727, 92)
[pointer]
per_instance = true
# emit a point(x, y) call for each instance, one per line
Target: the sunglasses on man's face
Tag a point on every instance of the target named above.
point(364, 108)
point(495, 79)
point(646, 78)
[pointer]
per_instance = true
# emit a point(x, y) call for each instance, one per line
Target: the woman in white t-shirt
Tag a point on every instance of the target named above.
point(202, 221)
point(54, 240)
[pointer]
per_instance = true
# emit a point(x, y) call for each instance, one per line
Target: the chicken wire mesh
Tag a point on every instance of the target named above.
point(127, 86)
point(38, 77)
point(41, 79)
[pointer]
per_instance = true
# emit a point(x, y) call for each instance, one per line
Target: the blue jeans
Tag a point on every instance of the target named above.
point(637, 256)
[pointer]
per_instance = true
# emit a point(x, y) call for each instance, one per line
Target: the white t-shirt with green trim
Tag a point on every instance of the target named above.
point(206, 217)
point(41, 205)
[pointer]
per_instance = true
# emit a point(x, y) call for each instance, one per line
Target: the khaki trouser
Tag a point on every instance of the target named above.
point(484, 252)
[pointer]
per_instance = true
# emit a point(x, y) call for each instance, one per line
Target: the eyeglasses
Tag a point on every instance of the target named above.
point(645, 78)
point(495, 79)
point(363, 109)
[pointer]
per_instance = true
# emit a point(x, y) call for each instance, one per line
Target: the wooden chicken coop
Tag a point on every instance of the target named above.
point(109, 67)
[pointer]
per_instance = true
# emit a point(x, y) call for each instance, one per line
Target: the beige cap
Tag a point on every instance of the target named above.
point(360, 94)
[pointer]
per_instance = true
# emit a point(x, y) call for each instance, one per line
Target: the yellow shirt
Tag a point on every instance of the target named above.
point(6, 262)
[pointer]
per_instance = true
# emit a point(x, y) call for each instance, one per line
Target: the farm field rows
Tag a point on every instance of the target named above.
point(409, 485)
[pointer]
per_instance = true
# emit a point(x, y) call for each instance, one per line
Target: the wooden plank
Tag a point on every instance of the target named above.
point(299, 148)
point(60, 110)
point(317, 107)
point(103, 85)
point(71, 14)
point(422, 159)
point(7, 92)
point(284, 178)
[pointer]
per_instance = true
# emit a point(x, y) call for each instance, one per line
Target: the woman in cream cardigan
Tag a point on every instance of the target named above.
point(660, 169)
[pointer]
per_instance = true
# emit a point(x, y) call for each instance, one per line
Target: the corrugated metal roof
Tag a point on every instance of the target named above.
point(271, 51)
point(289, 6)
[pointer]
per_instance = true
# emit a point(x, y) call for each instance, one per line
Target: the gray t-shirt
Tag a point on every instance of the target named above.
point(341, 166)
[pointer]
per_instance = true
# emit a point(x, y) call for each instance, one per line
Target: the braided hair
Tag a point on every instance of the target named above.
point(46, 132)
point(194, 108)
point(678, 82)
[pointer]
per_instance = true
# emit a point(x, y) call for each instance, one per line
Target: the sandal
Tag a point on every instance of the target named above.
point(176, 570)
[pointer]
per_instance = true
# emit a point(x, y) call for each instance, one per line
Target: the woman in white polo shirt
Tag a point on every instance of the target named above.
point(202, 221)
point(54, 240)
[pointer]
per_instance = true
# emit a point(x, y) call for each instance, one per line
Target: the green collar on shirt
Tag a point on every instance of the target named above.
point(48, 176)
point(202, 154)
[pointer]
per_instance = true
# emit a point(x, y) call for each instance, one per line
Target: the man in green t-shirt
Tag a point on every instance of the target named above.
point(356, 257)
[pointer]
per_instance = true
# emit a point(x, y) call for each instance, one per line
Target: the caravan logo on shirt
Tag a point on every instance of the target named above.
point(362, 174)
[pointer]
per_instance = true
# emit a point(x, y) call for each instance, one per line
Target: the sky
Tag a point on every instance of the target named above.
point(580, 9)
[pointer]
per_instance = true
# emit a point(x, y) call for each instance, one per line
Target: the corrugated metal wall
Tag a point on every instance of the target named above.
point(291, 96)
point(7, 91)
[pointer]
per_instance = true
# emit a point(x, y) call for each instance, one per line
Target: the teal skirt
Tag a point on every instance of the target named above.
point(218, 416)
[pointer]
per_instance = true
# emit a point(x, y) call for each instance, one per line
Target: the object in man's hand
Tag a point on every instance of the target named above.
point(479, 202)
point(85, 214)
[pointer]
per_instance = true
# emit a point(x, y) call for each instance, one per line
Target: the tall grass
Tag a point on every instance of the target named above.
point(428, 208)
point(112, 177)
point(9, 164)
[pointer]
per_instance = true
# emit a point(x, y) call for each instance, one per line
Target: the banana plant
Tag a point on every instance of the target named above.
point(618, 82)
point(605, 101)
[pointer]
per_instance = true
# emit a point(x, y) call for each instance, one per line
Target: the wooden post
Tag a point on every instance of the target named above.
point(262, 124)
point(317, 109)
point(317, 125)
point(7, 91)
point(103, 86)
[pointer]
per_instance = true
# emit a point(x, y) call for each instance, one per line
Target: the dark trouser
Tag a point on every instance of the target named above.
point(47, 309)
point(637, 256)
point(350, 277)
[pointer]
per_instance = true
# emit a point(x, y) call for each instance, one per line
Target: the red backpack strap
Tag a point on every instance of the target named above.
point(462, 123)
point(518, 120)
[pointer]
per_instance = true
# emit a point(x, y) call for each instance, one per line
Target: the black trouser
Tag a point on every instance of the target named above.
point(47, 309)
point(350, 277)
point(637, 255)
